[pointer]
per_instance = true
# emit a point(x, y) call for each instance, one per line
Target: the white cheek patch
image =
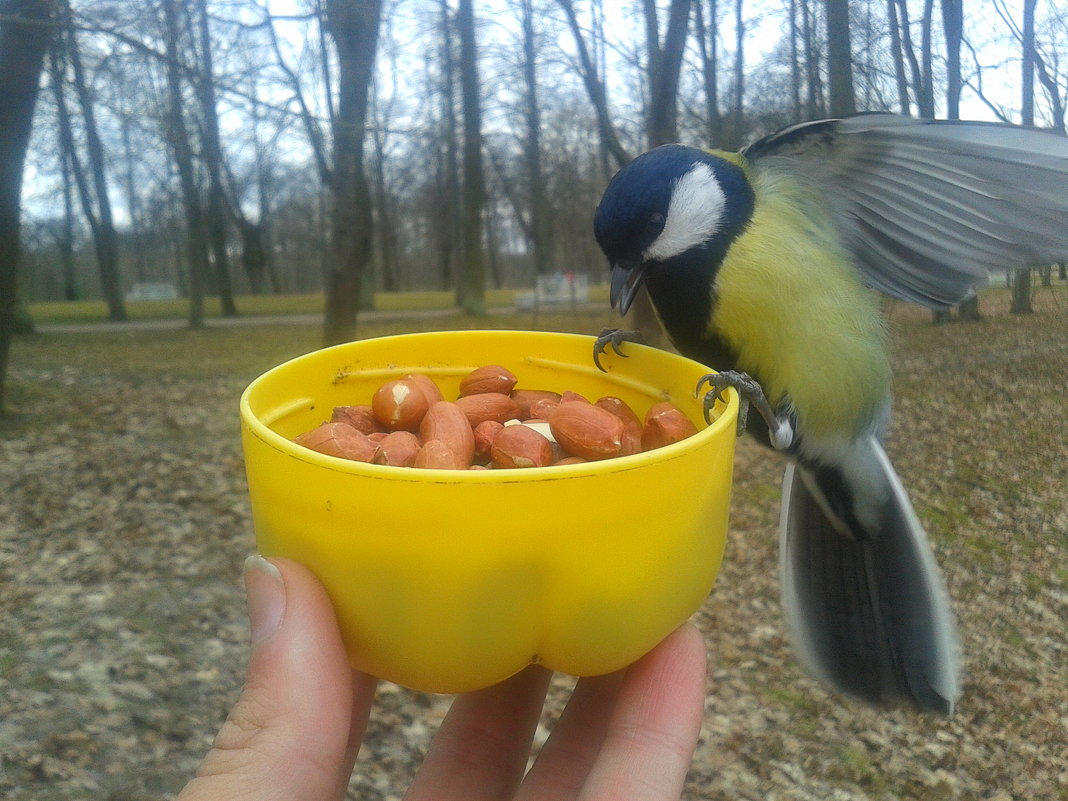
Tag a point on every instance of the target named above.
point(693, 216)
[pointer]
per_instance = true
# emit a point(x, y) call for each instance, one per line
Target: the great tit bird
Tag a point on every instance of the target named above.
point(765, 262)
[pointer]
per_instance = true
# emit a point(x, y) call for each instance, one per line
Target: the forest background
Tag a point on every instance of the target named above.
point(232, 147)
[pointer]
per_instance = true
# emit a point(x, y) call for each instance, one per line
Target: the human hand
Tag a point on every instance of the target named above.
point(296, 729)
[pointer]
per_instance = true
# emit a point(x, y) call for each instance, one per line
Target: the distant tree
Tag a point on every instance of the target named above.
point(178, 137)
point(212, 156)
point(471, 287)
point(539, 233)
point(839, 59)
point(814, 99)
point(386, 232)
point(707, 36)
point(353, 25)
point(595, 89)
point(795, 62)
point(663, 62)
point(96, 203)
point(65, 239)
point(738, 104)
point(253, 232)
point(953, 27)
point(1020, 302)
point(25, 31)
point(443, 209)
point(901, 82)
point(919, 66)
point(926, 93)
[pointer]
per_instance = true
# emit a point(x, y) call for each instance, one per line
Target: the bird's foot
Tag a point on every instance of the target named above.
point(614, 337)
point(750, 395)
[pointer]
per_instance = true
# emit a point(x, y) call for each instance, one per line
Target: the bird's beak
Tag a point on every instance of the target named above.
point(626, 281)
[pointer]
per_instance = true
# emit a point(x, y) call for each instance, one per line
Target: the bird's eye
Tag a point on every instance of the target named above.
point(656, 222)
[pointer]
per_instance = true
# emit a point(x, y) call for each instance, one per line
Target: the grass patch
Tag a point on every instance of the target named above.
point(856, 765)
point(786, 696)
point(8, 663)
point(243, 352)
point(84, 311)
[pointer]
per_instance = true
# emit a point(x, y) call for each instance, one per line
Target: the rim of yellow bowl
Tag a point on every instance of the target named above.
point(503, 475)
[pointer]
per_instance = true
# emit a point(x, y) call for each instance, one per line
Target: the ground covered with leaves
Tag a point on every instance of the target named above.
point(124, 524)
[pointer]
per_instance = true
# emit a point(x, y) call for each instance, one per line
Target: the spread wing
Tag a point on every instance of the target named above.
point(929, 208)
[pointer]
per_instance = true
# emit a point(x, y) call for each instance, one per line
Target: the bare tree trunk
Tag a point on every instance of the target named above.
point(738, 111)
point(472, 285)
point(196, 242)
point(540, 244)
point(353, 25)
point(664, 63)
point(595, 89)
point(1053, 91)
point(387, 230)
point(926, 96)
point(254, 259)
point(839, 59)
point(813, 82)
point(386, 234)
point(918, 78)
point(25, 31)
point(216, 208)
point(795, 65)
point(1021, 282)
point(66, 238)
point(899, 60)
point(253, 254)
point(133, 204)
point(105, 238)
point(448, 223)
point(709, 49)
point(73, 175)
point(953, 25)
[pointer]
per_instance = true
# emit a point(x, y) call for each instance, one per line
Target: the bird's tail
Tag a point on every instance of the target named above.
point(861, 591)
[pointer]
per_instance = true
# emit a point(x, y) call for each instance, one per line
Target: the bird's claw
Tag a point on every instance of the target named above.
point(750, 395)
point(613, 337)
point(718, 383)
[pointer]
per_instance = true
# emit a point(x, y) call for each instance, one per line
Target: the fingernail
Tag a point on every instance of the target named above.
point(266, 594)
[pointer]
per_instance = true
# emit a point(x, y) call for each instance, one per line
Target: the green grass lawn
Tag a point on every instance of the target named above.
point(248, 350)
point(81, 311)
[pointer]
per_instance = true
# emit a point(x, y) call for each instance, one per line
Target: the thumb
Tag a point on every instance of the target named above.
point(294, 731)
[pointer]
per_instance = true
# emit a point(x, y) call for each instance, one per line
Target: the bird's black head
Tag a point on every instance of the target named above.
point(667, 219)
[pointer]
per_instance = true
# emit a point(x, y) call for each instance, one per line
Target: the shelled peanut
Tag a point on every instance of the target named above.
point(408, 423)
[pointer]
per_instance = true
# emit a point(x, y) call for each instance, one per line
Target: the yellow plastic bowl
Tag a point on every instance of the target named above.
point(449, 581)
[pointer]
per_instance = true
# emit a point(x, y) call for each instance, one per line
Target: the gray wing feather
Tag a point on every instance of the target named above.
point(929, 209)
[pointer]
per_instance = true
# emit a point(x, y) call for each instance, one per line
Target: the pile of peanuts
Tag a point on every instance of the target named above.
point(490, 425)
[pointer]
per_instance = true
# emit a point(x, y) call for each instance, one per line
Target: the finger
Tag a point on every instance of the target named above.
point(565, 760)
point(482, 747)
point(653, 731)
point(291, 733)
point(363, 696)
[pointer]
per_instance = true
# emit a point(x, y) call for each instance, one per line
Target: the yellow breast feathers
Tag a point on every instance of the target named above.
point(794, 309)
